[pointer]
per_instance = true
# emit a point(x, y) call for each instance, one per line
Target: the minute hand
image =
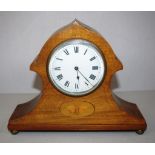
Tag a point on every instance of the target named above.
point(84, 77)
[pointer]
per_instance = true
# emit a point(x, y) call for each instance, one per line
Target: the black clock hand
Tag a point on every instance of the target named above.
point(78, 76)
point(77, 69)
point(84, 77)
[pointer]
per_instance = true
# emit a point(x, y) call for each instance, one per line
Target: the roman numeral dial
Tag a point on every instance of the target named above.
point(76, 67)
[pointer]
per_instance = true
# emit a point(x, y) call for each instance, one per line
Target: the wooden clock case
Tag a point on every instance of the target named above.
point(100, 110)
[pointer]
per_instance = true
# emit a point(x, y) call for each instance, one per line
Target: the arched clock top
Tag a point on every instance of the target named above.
point(77, 30)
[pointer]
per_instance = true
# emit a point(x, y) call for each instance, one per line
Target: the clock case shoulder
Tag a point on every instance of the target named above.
point(44, 112)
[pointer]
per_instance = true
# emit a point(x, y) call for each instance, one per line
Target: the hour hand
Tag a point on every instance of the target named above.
point(76, 69)
point(78, 76)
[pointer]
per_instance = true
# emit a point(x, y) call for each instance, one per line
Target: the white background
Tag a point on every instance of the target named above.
point(131, 35)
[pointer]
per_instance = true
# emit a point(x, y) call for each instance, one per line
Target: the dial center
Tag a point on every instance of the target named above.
point(76, 68)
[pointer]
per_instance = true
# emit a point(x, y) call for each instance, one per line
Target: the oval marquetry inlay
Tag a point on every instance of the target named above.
point(77, 109)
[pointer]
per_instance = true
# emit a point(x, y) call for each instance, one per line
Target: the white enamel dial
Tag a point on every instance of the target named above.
point(76, 67)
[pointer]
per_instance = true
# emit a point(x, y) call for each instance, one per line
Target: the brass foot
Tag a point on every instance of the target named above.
point(14, 132)
point(140, 132)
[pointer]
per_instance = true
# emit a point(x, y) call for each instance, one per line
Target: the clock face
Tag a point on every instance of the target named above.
point(76, 67)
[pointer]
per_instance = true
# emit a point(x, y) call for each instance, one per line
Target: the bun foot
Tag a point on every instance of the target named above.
point(14, 132)
point(140, 132)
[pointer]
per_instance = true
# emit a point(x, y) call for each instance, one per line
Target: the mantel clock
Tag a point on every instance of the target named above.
point(76, 65)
